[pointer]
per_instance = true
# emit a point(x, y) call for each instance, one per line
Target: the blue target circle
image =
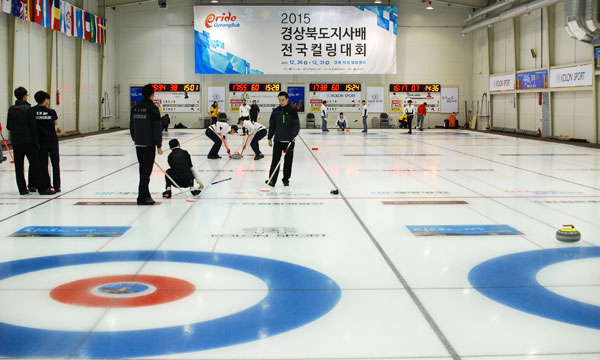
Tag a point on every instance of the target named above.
point(511, 280)
point(123, 288)
point(297, 295)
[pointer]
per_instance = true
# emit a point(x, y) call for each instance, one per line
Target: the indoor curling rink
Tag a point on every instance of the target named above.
point(440, 245)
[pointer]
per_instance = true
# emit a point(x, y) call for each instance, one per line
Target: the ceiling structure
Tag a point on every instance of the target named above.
point(476, 4)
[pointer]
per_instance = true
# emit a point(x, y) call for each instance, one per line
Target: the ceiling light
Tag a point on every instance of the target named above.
point(214, 1)
point(429, 7)
point(377, 1)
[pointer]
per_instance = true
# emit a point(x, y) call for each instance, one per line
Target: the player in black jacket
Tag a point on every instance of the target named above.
point(284, 125)
point(181, 170)
point(145, 127)
point(46, 121)
point(24, 138)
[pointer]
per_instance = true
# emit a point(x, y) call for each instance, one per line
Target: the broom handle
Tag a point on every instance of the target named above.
point(6, 144)
point(280, 160)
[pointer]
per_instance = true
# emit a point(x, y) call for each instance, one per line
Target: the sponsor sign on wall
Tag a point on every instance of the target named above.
point(216, 93)
point(572, 76)
point(532, 80)
point(171, 97)
point(375, 99)
point(398, 100)
point(296, 95)
point(336, 101)
point(502, 82)
point(298, 39)
point(449, 100)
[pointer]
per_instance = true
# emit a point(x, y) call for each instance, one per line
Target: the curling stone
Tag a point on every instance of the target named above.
point(568, 233)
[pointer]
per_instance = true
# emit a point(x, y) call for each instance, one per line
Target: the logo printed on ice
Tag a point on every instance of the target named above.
point(222, 20)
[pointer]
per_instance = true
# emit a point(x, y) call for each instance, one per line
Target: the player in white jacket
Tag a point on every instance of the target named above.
point(257, 131)
point(217, 131)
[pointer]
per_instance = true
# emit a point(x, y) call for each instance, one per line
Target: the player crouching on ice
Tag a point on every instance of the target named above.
point(181, 173)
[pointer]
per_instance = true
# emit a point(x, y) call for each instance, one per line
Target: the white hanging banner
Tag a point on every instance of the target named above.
point(398, 100)
point(502, 82)
point(216, 93)
point(449, 100)
point(297, 39)
point(572, 76)
point(345, 102)
point(375, 99)
point(266, 100)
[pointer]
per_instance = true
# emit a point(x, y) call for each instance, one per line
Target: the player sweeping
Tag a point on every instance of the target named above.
point(181, 170)
point(216, 132)
point(257, 131)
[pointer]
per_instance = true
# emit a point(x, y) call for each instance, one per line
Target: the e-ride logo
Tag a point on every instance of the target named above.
point(223, 20)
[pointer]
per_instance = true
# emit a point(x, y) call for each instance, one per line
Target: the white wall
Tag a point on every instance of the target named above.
point(42, 55)
point(158, 46)
point(5, 92)
point(572, 111)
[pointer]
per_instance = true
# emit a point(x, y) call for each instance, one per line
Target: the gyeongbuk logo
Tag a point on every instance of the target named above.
point(223, 20)
point(269, 232)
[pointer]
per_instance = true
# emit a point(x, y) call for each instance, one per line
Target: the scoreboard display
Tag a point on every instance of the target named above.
point(255, 87)
point(176, 87)
point(264, 94)
point(171, 98)
point(340, 97)
point(418, 93)
point(415, 87)
point(335, 87)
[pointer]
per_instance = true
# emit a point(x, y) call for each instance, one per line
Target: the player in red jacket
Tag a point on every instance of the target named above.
point(421, 112)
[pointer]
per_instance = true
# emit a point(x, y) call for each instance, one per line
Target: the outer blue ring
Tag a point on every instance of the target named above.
point(511, 280)
point(297, 295)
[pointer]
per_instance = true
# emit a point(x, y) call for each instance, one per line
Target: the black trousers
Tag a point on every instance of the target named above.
point(214, 150)
point(253, 118)
point(257, 137)
point(182, 181)
point(145, 157)
point(20, 151)
point(213, 120)
point(51, 151)
point(278, 148)
point(409, 120)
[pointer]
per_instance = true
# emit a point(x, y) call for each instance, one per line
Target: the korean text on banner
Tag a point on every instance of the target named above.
point(301, 40)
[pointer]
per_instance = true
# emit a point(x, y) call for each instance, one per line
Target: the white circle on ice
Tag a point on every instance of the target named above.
point(577, 279)
point(219, 292)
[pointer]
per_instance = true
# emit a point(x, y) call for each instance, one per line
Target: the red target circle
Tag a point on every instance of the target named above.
point(80, 292)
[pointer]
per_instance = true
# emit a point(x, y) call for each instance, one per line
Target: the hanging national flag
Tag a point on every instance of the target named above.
point(47, 9)
point(7, 6)
point(98, 30)
point(86, 31)
point(23, 10)
point(31, 10)
point(56, 15)
point(104, 31)
point(92, 28)
point(37, 13)
point(67, 19)
point(79, 23)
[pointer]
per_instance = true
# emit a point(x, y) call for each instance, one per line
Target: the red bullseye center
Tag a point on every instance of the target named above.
point(122, 291)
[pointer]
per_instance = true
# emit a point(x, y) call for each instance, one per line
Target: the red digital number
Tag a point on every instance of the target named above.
point(174, 87)
point(335, 87)
point(324, 87)
point(254, 87)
